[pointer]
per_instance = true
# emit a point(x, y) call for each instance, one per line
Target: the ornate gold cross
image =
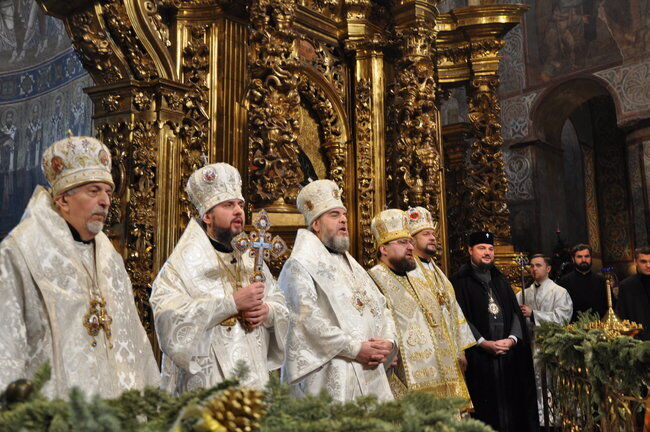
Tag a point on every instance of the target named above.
point(260, 245)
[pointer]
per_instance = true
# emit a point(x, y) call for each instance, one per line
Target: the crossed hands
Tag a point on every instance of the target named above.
point(375, 352)
point(498, 347)
point(249, 302)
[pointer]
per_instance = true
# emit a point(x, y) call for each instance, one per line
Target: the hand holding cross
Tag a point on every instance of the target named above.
point(261, 247)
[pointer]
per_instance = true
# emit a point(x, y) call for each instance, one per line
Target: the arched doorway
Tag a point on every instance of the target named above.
point(581, 182)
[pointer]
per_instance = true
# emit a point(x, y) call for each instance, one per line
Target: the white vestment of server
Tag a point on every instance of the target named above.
point(192, 299)
point(334, 306)
point(46, 278)
point(550, 303)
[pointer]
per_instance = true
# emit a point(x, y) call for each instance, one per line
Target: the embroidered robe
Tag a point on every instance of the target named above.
point(334, 306)
point(192, 297)
point(432, 332)
point(46, 278)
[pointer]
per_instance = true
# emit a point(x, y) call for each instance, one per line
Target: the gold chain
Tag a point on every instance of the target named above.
point(97, 317)
point(235, 279)
point(411, 289)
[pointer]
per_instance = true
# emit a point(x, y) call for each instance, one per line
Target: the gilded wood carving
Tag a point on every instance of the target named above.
point(182, 83)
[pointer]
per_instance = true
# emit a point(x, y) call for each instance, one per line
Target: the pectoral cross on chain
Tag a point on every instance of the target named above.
point(260, 245)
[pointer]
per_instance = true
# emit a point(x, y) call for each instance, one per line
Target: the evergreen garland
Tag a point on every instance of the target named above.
point(620, 363)
point(155, 410)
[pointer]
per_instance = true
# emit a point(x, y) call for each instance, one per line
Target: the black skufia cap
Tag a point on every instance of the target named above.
point(481, 237)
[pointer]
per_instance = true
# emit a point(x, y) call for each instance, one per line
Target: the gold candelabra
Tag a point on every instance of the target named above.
point(611, 324)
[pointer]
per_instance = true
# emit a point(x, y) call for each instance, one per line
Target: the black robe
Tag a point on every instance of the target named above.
point(634, 302)
point(502, 387)
point(587, 291)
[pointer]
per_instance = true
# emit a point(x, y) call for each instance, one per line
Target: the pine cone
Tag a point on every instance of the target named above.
point(238, 410)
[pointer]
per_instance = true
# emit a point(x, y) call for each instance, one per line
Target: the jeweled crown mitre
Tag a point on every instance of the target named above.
point(212, 185)
point(389, 225)
point(74, 161)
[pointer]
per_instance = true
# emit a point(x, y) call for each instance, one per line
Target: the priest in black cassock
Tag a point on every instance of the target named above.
point(499, 372)
point(634, 294)
point(587, 289)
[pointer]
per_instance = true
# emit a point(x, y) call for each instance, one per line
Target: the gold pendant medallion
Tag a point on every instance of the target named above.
point(97, 319)
point(493, 307)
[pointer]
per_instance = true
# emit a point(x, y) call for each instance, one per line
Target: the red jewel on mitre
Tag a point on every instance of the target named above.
point(414, 215)
point(209, 175)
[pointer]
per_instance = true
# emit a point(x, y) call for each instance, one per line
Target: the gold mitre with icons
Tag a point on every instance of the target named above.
point(418, 219)
point(74, 161)
point(389, 225)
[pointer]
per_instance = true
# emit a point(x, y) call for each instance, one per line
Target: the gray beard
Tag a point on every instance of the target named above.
point(95, 227)
point(340, 244)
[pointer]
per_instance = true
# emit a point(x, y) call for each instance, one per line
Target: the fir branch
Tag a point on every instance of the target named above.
point(41, 376)
point(154, 410)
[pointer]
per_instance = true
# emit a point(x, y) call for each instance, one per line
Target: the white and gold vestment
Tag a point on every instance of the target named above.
point(334, 306)
point(192, 300)
point(431, 331)
point(47, 280)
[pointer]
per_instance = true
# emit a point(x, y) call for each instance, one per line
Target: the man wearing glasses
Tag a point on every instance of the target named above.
point(429, 352)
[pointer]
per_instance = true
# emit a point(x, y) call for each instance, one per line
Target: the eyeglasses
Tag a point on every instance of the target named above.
point(403, 242)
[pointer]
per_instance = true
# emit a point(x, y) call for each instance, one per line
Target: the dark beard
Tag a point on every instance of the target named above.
point(583, 267)
point(402, 265)
point(483, 267)
point(224, 237)
point(430, 251)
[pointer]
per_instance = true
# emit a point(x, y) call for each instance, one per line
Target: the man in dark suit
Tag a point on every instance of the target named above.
point(634, 294)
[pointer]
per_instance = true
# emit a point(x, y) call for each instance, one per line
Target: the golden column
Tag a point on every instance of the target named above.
point(365, 42)
point(468, 46)
point(414, 149)
point(485, 27)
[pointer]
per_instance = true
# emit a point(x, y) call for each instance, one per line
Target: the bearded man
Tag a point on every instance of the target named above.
point(208, 315)
point(499, 374)
point(588, 290)
point(421, 228)
point(66, 297)
point(429, 358)
point(341, 336)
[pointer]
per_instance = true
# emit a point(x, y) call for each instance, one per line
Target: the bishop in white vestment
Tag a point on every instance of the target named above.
point(66, 297)
point(341, 336)
point(545, 301)
point(208, 315)
point(430, 333)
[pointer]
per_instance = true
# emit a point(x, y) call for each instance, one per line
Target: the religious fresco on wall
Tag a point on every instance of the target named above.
point(566, 36)
point(41, 98)
point(27, 35)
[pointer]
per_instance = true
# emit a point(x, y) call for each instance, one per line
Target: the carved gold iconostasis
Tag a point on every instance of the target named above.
point(292, 90)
